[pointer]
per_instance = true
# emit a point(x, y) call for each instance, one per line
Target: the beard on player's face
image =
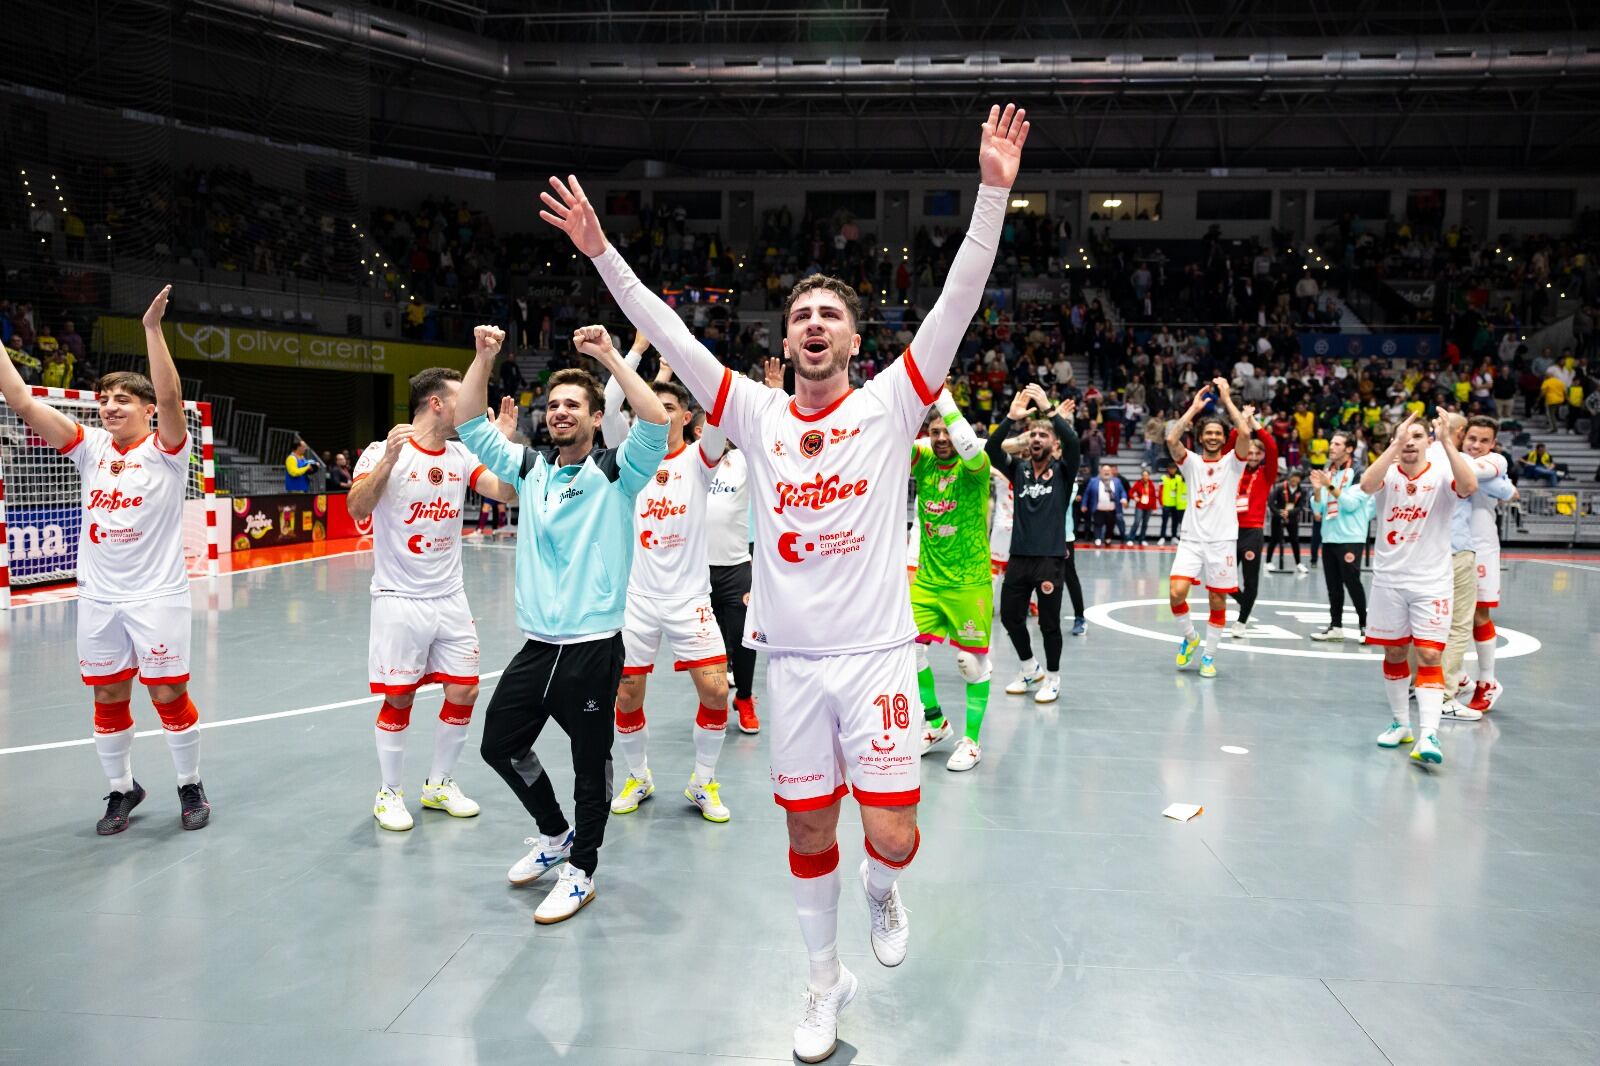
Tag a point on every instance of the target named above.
point(821, 336)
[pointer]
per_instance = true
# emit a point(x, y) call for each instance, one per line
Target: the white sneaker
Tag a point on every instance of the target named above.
point(817, 1035)
point(1048, 691)
point(1024, 682)
point(1098, 542)
point(1238, 630)
point(708, 797)
point(932, 737)
point(547, 852)
point(965, 757)
point(1396, 735)
point(1426, 750)
point(573, 891)
point(891, 923)
point(390, 810)
point(1300, 568)
point(634, 792)
point(445, 795)
point(1329, 634)
point(1459, 712)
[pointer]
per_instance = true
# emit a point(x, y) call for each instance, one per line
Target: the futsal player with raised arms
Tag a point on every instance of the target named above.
point(414, 485)
point(1208, 540)
point(830, 602)
point(1416, 486)
point(574, 552)
point(133, 587)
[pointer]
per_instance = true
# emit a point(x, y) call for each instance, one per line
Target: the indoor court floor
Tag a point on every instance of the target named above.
point(1335, 903)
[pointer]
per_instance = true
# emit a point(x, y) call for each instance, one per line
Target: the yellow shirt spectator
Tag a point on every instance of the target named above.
point(1305, 424)
point(1554, 392)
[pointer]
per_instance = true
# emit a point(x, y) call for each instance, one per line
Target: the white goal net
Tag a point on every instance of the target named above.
point(41, 510)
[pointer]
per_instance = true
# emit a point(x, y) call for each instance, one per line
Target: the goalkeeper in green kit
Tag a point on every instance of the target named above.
point(952, 598)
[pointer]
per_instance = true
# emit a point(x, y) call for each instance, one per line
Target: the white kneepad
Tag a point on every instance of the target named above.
point(974, 668)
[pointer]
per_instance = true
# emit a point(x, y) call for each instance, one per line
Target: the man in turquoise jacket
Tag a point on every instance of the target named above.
point(1345, 512)
point(574, 551)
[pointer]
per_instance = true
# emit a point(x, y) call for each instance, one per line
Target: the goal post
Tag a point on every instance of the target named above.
point(41, 506)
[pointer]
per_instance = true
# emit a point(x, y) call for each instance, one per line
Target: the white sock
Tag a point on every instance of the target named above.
point(1430, 706)
point(391, 755)
point(633, 750)
point(1399, 699)
point(116, 758)
point(1486, 659)
point(880, 878)
point(1053, 679)
point(707, 746)
point(184, 746)
point(448, 740)
point(816, 901)
point(1185, 626)
point(1213, 637)
point(1030, 668)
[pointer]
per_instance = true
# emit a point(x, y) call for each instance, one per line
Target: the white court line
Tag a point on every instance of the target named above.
point(376, 698)
point(1549, 562)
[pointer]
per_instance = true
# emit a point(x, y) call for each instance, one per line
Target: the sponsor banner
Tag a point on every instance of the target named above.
point(1372, 345)
point(1418, 292)
point(43, 540)
point(288, 518)
point(1044, 290)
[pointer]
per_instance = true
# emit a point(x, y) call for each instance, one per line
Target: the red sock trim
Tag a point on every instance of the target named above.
point(392, 719)
point(1180, 610)
point(1430, 677)
point(455, 713)
point(819, 865)
point(903, 863)
point(1218, 618)
point(1484, 632)
point(711, 718)
point(630, 721)
point(1399, 671)
point(112, 717)
point(178, 715)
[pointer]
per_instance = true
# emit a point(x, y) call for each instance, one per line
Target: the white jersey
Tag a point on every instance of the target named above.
point(1485, 508)
point(669, 528)
point(728, 512)
point(1213, 513)
point(829, 494)
point(130, 546)
point(1002, 515)
point(1413, 544)
point(416, 524)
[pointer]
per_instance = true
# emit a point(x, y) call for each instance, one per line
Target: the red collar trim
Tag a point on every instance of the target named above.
point(794, 408)
point(413, 442)
point(676, 452)
point(1425, 467)
point(124, 451)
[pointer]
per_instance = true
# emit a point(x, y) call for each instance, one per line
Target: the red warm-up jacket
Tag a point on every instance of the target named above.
point(1254, 485)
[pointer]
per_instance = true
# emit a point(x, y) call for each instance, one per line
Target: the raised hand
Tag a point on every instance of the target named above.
point(506, 421)
point(1249, 414)
point(640, 344)
point(1319, 479)
point(396, 440)
point(772, 371)
point(1199, 400)
point(1000, 148)
point(571, 212)
point(594, 341)
point(1037, 394)
point(1067, 408)
point(1224, 390)
point(663, 372)
point(488, 340)
point(157, 309)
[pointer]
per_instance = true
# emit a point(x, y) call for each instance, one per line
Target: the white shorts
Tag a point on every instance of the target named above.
point(149, 638)
point(687, 623)
point(417, 642)
point(1398, 617)
point(1213, 563)
point(1489, 578)
point(844, 723)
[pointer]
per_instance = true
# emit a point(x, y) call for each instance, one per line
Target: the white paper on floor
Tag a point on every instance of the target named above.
point(1182, 812)
point(1234, 749)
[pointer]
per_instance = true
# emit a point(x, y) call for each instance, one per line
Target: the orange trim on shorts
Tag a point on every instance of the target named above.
point(449, 679)
point(811, 803)
point(1436, 645)
point(393, 690)
point(110, 679)
point(1388, 642)
point(176, 679)
point(887, 799)
point(974, 650)
point(692, 664)
point(635, 671)
point(1223, 592)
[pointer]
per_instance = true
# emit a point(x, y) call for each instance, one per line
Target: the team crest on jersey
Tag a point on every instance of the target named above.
point(1411, 488)
point(117, 466)
point(435, 476)
point(661, 477)
point(811, 444)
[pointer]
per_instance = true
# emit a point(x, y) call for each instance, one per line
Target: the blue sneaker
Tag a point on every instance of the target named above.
point(1208, 666)
point(1079, 624)
point(1187, 649)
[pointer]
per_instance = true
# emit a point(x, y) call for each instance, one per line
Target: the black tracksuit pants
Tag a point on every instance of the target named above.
point(1249, 556)
point(729, 586)
point(1341, 569)
point(1024, 575)
point(576, 685)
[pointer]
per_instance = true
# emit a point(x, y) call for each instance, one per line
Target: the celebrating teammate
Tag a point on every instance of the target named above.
point(951, 597)
point(133, 589)
point(1041, 485)
point(1474, 526)
point(414, 487)
point(1345, 512)
point(1255, 485)
point(669, 593)
point(1411, 578)
point(574, 552)
point(1208, 538)
point(830, 604)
